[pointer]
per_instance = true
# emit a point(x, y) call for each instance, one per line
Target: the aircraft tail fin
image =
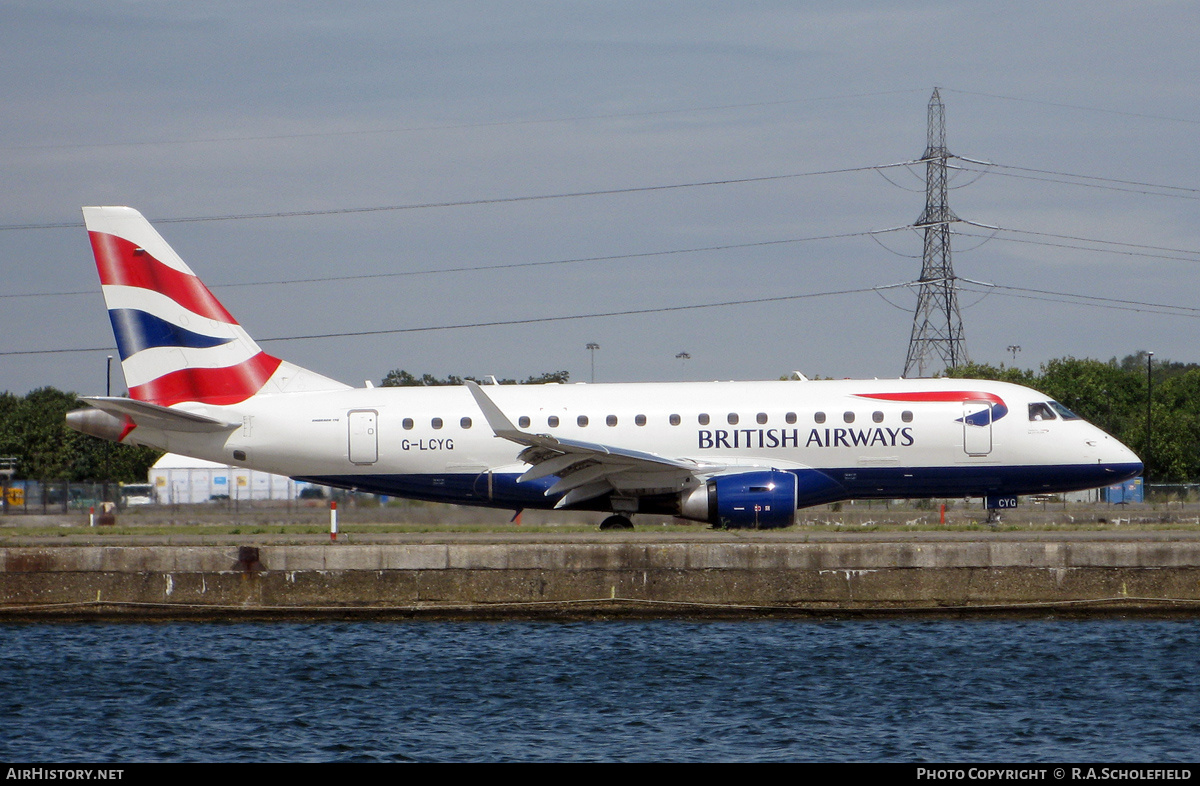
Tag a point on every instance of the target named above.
point(176, 341)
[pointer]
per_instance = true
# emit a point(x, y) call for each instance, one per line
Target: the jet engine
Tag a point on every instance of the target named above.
point(762, 499)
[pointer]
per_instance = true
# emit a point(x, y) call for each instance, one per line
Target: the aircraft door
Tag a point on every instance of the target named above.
point(485, 486)
point(364, 436)
point(977, 428)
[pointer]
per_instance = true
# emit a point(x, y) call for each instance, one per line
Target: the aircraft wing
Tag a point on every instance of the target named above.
point(589, 469)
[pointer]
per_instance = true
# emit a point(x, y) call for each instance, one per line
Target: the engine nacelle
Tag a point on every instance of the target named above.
point(761, 499)
point(758, 500)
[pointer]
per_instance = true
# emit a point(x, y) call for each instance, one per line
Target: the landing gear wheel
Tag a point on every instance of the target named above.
point(616, 522)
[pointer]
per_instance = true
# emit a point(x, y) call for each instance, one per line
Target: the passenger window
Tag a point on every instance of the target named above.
point(761, 417)
point(1063, 412)
point(1041, 411)
point(848, 417)
point(675, 420)
point(408, 424)
point(611, 420)
point(523, 421)
point(552, 421)
point(436, 422)
point(819, 417)
point(703, 418)
point(906, 416)
point(582, 420)
point(877, 417)
point(732, 418)
point(639, 420)
point(465, 422)
point(790, 418)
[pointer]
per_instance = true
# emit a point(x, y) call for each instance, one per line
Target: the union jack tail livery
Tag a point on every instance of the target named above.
point(177, 342)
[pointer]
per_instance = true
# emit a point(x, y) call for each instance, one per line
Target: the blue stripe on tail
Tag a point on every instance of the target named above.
point(136, 330)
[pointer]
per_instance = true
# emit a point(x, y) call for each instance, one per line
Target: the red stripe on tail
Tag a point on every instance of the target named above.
point(119, 263)
point(209, 385)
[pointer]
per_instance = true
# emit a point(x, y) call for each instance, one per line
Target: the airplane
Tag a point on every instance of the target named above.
point(732, 454)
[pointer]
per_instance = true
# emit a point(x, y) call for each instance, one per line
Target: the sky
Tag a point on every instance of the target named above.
point(768, 120)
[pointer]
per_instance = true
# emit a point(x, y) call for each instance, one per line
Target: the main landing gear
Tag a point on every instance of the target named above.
point(616, 522)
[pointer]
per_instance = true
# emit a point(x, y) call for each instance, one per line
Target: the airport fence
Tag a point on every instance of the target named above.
point(57, 496)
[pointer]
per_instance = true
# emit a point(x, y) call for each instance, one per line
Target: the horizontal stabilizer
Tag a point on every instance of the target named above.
point(148, 415)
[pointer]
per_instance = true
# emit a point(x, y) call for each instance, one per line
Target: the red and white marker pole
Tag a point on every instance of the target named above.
point(333, 520)
point(92, 516)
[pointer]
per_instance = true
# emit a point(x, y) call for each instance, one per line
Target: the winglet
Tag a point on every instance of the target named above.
point(501, 425)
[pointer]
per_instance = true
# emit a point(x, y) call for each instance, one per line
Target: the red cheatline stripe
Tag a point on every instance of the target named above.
point(209, 385)
point(936, 395)
point(120, 264)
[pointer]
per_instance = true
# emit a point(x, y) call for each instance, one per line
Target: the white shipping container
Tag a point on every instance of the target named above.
point(181, 480)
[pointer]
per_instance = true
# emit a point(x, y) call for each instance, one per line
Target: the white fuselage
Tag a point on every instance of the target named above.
point(877, 438)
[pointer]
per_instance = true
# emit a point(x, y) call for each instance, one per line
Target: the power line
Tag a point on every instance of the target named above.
point(1069, 298)
point(1081, 107)
point(508, 266)
point(1076, 175)
point(501, 323)
point(1103, 185)
point(1091, 301)
point(1074, 247)
point(469, 202)
point(1080, 239)
point(1125, 250)
point(629, 312)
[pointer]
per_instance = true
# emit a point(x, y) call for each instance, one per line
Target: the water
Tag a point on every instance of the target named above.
point(895, 690)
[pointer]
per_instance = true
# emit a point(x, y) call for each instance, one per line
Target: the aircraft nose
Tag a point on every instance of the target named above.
point(1114, 456)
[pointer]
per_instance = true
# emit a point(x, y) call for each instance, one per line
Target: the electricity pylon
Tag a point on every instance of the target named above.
point(937, 330)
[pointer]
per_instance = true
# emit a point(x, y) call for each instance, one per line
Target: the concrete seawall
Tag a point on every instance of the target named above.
point(786, 575)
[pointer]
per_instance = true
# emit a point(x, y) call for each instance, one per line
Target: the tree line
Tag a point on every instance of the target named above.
point(33, 430)
point(399, 378)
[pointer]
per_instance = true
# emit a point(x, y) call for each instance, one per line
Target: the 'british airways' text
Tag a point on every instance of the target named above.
point(817, 438)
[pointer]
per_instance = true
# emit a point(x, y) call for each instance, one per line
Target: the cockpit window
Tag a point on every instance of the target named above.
point(1041, 411)
point(1063, 412)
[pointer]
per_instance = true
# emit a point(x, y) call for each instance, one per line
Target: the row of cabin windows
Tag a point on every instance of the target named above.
point(640, 420)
